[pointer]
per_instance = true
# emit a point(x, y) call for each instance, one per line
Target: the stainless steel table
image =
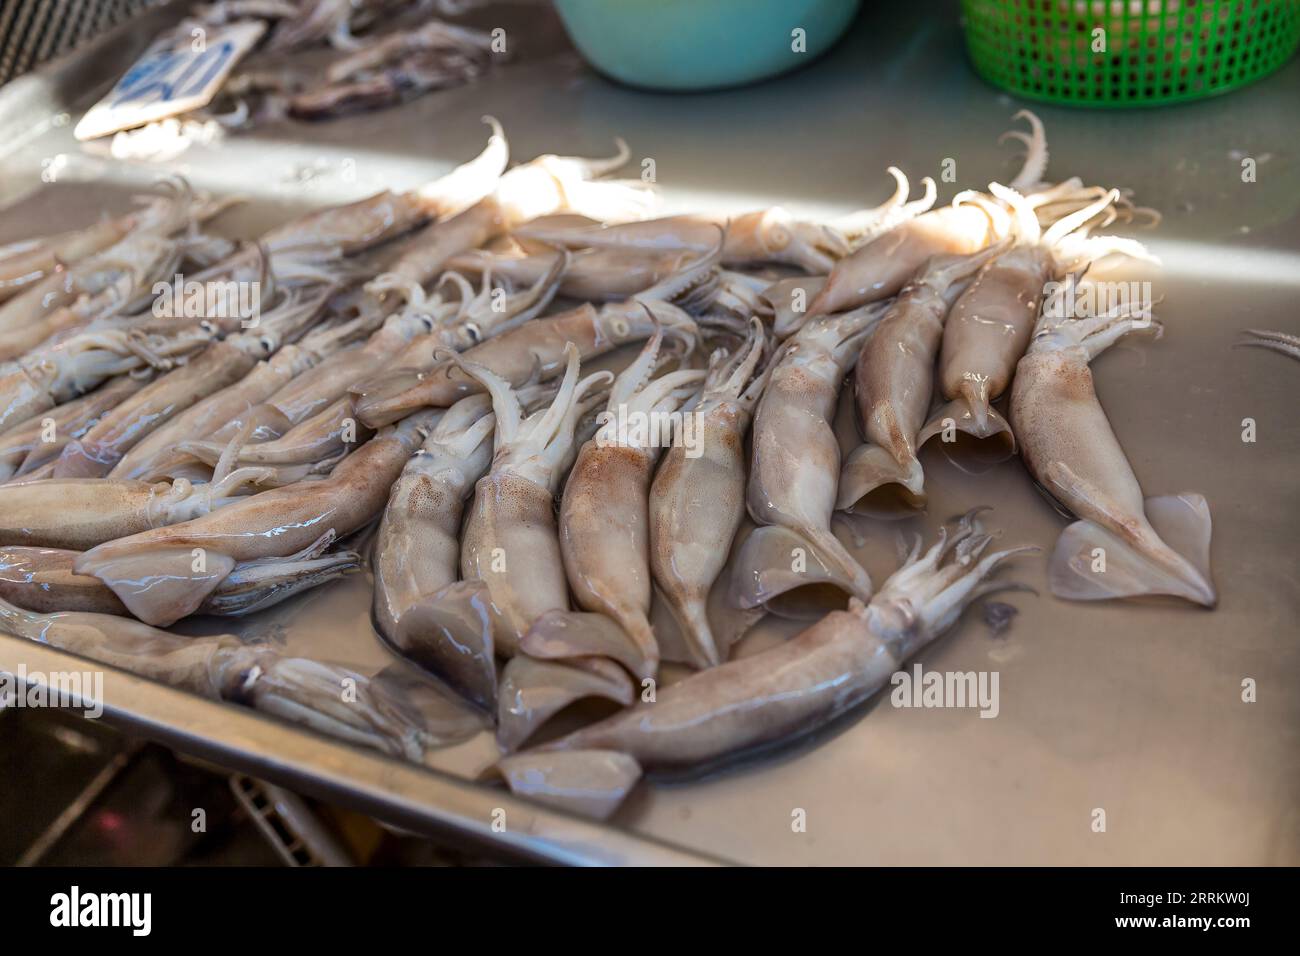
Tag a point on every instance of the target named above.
point(1135, 709)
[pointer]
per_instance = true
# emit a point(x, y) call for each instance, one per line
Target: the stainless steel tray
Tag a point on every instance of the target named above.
point(1132, 708)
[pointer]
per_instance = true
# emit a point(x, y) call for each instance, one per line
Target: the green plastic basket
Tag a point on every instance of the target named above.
point(1156, 51)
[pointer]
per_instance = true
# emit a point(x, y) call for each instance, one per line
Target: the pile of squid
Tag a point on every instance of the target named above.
point(389, 63)
point(464, 388)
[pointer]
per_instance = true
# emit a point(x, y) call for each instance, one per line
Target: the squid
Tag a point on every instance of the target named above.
point(510, 541)
point(23, 264)
point(55, 262)
point(164, 574)
point(97, 288)
point(41, 440)
point(538, 348)
point(605, 523)
point(394, 68)
point(697, 501)
point(512, 569)
point(47, 378)
point(311, 447)
point(380, 713)
point(1122, 545)
point(79, 513)
point(541, 187)
point(1280, 342)
point(988, 327)
point(766, 236)
point(594, 275)
point(346, 230)
point(42, 580)
point(323, 385)
point(771, 697)
point(157, 455)
point(879, 269)
point(420, 608)
point(477, 318)
point(223, 363)
point(895, 371)
point(788, 562)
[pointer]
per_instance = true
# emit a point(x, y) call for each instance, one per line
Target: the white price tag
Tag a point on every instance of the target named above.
point(177, 74)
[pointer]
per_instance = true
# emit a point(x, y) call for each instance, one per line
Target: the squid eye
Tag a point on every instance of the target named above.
point(427, 322)
point(268, 345)
point(474, 334)
point(210, 327)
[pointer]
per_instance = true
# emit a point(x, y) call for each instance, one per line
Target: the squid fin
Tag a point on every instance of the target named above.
point(562, 634)
point(591, 783)
point(870, 470)
point(449, 634)
point(1090, 563)
point(995, 442)
point(533, 691)
point(783, 572)
point(159, 585)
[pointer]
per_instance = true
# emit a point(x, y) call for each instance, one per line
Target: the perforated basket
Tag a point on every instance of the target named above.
point(1128, 52)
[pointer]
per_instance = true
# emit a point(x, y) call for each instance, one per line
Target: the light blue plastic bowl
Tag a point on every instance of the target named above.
point(701, 44)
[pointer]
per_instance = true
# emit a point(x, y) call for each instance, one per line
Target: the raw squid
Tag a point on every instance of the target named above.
point(989, 326)
point(895, 371)
point(42, 579)
point(419, 607)
point(221, 364)
point(697, 501)
point(164, 574)
point(880, 269)
point(776, 695)
point(541, 187)
point(47, 378)
point(25, 263)
point(378, 714)
point(1122, 546)
point(605, 521)
point(41, 440)
point(79, 513)
point(348, 229)
point(510, 540)
point(793, 557)
point(766, 236)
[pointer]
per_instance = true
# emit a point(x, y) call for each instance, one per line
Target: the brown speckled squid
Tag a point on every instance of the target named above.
point(697, 501)
point(164, 574)
point(79, 513)
point(221, 364)
point(41, 440)
point(604, 521)
point(880, 268)
point(538, 347)
point(793, 558)
point(988, 327)
point(773, 696)
point(1122, 546)
point(419, 606)
point(42, 579)
point(510, 539)
point(892, 385)
point(382, 715)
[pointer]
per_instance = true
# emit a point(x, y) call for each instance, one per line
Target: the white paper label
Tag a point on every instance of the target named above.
point(172, 77)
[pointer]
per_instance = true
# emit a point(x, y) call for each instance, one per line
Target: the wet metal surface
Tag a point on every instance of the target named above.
point(1134, 709)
